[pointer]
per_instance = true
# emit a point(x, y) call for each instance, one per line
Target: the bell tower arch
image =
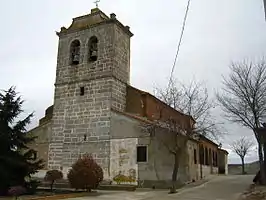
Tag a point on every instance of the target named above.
point(93, 70)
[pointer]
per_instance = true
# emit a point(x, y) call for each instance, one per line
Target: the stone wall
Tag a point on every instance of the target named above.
point(207, 170)
point(192, 165)
point(41, 144)
point(81, 124)
point(121, 65)
point(118, 95)
point(223, 161)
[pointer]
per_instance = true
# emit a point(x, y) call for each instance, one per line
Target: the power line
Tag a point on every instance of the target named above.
point(179, 43)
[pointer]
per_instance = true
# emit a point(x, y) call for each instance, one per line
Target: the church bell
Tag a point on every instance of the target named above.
point(76, 58)
point(94, 55)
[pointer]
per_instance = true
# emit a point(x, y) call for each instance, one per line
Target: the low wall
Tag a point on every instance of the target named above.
point(207, 170)
point(40, 174)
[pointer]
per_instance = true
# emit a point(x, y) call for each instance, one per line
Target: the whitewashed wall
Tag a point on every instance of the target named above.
point(123, 156)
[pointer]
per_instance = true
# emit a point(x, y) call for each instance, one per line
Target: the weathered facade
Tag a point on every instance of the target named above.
point(97, 111)
point(223, 161)
point(44, 133)
point(91, 77)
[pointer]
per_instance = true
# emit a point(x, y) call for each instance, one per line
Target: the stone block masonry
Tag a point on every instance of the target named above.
point(81, 120)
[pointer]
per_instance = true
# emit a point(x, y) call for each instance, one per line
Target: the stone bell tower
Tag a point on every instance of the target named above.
point(93, 69)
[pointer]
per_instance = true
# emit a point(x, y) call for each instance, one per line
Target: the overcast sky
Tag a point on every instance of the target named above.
point(217, 33)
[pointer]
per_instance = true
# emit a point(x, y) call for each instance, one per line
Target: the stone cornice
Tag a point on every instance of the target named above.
point(95, 18)
point(88, 79)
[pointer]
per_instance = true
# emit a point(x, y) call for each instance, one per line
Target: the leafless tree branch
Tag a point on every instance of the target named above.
point(241, 147)
point(243, 97)
point(193, 100)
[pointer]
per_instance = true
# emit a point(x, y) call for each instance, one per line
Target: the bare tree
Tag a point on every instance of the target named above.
point(243, 98)
point(242, 147)
point(192, 99)
point(174, 137)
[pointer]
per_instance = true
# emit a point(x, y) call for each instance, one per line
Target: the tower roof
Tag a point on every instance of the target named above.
point(96, 17)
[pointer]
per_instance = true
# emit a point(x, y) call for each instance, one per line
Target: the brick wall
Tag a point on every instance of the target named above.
point(146, 105)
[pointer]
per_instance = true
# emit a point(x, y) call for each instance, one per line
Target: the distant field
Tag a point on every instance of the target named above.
point(250, 168)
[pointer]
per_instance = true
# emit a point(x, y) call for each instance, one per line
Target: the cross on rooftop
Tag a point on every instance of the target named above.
point(96, 2)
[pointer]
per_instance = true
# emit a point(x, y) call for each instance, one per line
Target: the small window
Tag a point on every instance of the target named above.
point(35, 155)
point(82, 91)
point(195, 156)
point(142, 154)
point(75, 52)
point(93, 49)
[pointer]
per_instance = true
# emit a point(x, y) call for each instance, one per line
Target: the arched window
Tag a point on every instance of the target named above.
point(75, 52)
point(93, 49)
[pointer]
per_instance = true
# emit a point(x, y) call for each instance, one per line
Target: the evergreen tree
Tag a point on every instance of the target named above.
point(17, 160)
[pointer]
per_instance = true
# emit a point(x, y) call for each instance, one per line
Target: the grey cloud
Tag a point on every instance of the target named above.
point(216, 33)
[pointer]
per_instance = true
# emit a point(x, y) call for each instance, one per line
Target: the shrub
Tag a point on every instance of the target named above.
point(16, 191)
point(120, 178)
point(52, 176)
point(85, 174)
point(31, 186)
point(131, 179)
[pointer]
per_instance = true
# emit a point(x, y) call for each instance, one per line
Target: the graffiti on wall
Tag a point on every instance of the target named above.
point(121, 178)
point(123, 157)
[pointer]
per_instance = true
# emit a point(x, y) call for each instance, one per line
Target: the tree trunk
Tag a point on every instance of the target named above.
point(51, 186)
point(243, 165)
point(264, 153)
point(174, 174)
point(201, 175)
point(262, 170)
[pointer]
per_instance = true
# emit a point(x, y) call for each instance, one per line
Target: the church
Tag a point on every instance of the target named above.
point(97, 111)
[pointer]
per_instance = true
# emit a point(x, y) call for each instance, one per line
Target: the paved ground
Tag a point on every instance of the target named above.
point(219, 188)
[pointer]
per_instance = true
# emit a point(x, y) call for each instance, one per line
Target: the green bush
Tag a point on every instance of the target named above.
point(85, 174)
